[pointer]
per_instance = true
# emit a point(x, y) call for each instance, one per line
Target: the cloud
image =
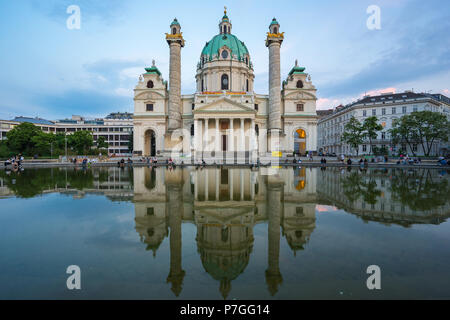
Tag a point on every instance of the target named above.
point(420, 51)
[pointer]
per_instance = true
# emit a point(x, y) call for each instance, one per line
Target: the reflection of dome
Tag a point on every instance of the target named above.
point(152, 232)
point(224, 248)
point(237, 47)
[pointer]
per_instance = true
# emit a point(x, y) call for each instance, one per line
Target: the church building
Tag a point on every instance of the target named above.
point(225, 118)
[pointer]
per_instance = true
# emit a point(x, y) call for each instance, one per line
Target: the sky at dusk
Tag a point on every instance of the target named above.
point(52, 72)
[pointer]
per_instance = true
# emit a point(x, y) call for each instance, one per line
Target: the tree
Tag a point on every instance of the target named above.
point(81, 141)
point(424, 128)
point(101, 143)
point(401, 132)
point(370, 129)
point(44, 143)
point(353, 134)
point(20, 138)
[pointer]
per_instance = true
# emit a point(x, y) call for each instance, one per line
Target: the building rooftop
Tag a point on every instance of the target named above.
point(120, 116)
point(33, 120)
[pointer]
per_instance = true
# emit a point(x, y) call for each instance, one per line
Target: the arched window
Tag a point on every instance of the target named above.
point(275, 30)
point(247, 86)
point(257, 130)
point(192, 130)
point(174, 30)
point(150, 84)
point(224, 82)
point(299, 84)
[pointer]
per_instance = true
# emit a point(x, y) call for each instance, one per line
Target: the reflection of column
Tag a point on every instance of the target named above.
point(230, 183)
point(206, 185)
point(242, 184)
point(252, 185)
point(175, 206)
point(196, 185)
point(217, 184)
point(273, 275)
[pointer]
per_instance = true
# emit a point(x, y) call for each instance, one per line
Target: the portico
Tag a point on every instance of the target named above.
point(215, 133)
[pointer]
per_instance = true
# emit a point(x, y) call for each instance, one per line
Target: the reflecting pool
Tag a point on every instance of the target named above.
point(224, 233)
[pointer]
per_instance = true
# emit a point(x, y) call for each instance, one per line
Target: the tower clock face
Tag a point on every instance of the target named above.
point(224, 54)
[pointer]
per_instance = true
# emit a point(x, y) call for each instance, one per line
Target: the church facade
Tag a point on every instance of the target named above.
point(225, 118)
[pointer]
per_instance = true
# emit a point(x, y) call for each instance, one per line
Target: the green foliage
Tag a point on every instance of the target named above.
point(20, 138)
point(5, 152)
point(370, 129)
point(424, 127)
point(353, 134)
point(381, 151)
point(81, 141)
point(357, 186)
point(419, 190)
point(101, 143)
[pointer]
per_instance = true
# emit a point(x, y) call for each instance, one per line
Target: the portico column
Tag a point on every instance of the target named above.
point(242, 135)
point(205, 137)
point(217, 148)
point(252, 134)
point(231, 135)
point(197, 137)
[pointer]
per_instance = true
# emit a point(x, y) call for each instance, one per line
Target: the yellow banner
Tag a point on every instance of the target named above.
point(277, 154)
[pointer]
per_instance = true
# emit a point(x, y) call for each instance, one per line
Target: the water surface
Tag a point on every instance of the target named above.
point(154, 233)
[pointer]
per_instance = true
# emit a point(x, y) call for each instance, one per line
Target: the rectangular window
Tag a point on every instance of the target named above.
point(256, 107)
point(150, 107)
point(403, 109)
point(383, 135)
point(300, 107)
point(364, 148)
point(414, 147)
point(394, 110)
point(364, 113)
point(193, 106)
point(374, 112)
point(383, 111)
point(415, 109)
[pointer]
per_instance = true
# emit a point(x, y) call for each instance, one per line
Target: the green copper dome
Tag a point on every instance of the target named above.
point(237, 47)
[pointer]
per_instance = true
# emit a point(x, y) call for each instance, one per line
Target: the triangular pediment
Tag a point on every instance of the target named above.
point(224, 105)
point(300, 95)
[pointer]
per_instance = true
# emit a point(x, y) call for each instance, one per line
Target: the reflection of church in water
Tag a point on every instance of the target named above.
point(225, 205)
